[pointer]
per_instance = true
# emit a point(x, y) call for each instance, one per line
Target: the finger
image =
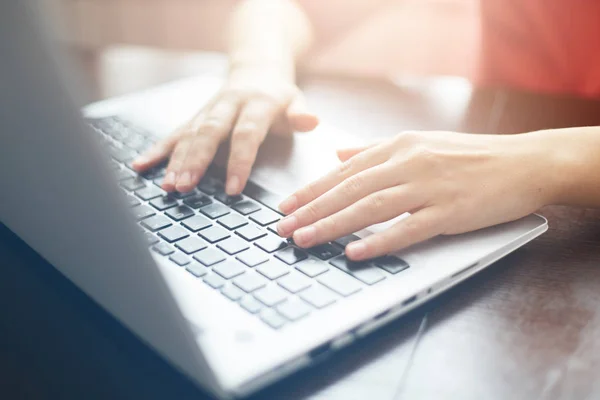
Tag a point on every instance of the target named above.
point(249, 132)
point(378, 207)
point(360, 162)
point(200, 154)
point(174, 167)
point(188, 163)
point(299, 116)
point(156, 153)
point(348, 192)
point(416, 228)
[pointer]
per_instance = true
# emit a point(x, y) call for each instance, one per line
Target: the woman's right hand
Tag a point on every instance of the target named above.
point(252, 103)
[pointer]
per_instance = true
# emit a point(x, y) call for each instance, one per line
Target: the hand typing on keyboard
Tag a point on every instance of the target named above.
point(450, 182)
point(254, 101)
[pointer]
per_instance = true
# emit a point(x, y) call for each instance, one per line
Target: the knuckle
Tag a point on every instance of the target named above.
point(376, 200)
point(346, 167)
point(352, 185)
point(246, 132)
point(311, 212)
point(407, 137)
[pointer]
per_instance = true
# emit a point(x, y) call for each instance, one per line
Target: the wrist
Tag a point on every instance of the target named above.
point(557, 165)
point(246, 67)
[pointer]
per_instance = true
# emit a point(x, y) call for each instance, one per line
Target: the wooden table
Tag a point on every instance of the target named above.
point(526, 328)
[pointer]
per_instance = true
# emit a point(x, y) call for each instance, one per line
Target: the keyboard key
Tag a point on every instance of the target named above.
point(163, 249)
point(325, 251)
point(142, 211)
point(343, 241)
point(214, 233)
point(132, 201)
point(197, 201)
point(154, 172)
point(185, 195)
point(250, 281)
point(123, 174)
point(291, 255)
point(228, 200)
point(265, 217)
point(273, 269)
point(361, 270)
point(197, 270)
point(251, 305)
point(232, 292)
point(232, 221)
point(164, 202)
point(191, 244)
point(196, 223)
point(210, 256)
point(149, 193)
point(271, 318)
point(156, 223)
point(214, 281)
point(180, 259)
point(210, 185)
point(133, 184)
point(271, 243)
point(294, 309)
point(173, 233)
point(233, 245)
point(215, 210)
point(179, 213)
point(158, 181)
point(229, 269)
point(136, 141)
point(150, 238)
point(340, 282)
point(271, 295)
point(312, 267)
point(251, 232)
point(253, 257)
point(391, 264)
point(246, 207)
point(122, 154)
point(273, 229)
point(318, 296)
point(294, 282)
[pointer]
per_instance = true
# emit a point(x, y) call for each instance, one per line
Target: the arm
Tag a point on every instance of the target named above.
point(450, 183)
point(267, 37)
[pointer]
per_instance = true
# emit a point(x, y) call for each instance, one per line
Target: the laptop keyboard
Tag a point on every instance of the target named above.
point(230, 243)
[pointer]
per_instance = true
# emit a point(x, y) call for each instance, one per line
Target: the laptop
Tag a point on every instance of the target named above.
point(202, 278)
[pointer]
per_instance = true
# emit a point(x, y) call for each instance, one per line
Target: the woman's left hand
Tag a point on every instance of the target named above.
point(449, 182)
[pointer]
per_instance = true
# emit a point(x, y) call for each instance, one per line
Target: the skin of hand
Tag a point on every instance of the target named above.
point(450, 183)
point(252, 103)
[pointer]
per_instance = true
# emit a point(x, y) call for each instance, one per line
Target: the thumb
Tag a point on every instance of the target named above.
point(298, 115)
point(346, 154)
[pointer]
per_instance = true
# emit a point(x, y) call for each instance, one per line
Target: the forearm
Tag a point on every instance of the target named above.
point(268, 35)
point(572, 168)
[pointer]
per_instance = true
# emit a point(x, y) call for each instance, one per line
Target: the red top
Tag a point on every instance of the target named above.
point(542, 45)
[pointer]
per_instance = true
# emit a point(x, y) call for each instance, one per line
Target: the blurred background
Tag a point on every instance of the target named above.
point(167, 39)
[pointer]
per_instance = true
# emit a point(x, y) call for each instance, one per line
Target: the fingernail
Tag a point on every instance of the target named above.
point(170, 179)
point(184, 180)
point(305, 236)
point(356, 250)
point(287, 225)
point(233, 186)
point(288, 205)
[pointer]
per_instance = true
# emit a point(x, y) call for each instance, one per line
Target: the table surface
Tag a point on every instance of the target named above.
point(525, 328)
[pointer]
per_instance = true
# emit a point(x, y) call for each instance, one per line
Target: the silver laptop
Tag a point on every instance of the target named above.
point(201, 277)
